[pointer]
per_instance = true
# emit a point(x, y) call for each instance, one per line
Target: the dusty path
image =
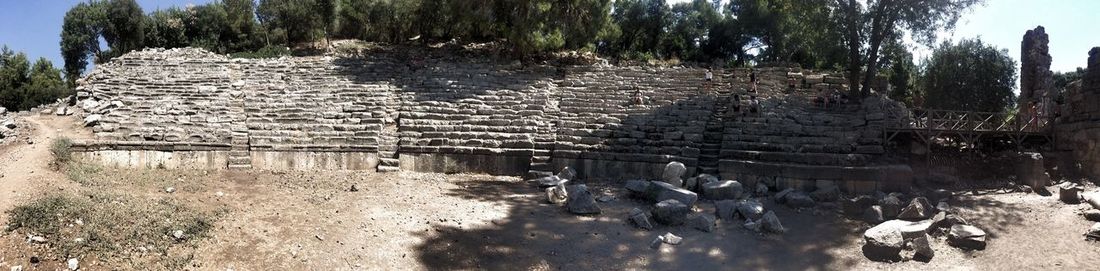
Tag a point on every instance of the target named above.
point(25, 168)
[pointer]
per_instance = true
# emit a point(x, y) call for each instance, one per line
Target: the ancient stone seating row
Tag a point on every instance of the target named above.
point(476, 105)
point(178, 100)
point(598, 113)
point(311, 101)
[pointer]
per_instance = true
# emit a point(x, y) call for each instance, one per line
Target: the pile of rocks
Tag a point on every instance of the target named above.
point(576, 198)
point(7, 125)
point(909, 227)
point(1070, 193)
point(675, 200)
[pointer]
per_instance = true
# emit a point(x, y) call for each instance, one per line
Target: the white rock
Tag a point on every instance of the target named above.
point(170, 189)
point(74, 264)
point(17, 268)
point(178, 234)
point(92, 120)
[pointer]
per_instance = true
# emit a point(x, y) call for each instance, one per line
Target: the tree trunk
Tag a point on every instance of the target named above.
point(882, 24)
point(852, 22)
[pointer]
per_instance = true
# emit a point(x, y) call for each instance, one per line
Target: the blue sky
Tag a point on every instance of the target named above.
point(34, 26)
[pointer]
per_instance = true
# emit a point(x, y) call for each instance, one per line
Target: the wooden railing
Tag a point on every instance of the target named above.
point(969, 121)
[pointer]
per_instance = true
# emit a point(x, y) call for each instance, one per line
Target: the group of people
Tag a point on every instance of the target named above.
point(708, 79)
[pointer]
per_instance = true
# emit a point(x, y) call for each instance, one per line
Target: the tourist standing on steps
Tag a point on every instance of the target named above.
point(752, 79)
point(708, 77)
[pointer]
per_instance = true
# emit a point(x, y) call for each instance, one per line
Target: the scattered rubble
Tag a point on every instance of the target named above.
point(641, 219)
point(671, 212)
point(918, 209)
point(966, 237)
point(673, 173)
point(557, 194)
point(580, 201)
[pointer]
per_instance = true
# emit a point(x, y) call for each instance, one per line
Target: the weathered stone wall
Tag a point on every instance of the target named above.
point(1036, 79)
point(1078, 128)
point(458, 114)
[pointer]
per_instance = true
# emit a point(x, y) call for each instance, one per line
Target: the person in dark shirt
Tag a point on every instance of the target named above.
point(752, 79)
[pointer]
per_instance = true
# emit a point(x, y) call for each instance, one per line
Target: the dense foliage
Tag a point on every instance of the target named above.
point(970, 75)
point(23, 86)
point(862, 37)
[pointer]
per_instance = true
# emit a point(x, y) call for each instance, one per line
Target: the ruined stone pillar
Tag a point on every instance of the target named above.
point(1036, 79)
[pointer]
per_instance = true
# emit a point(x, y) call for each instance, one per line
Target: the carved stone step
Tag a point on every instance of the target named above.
point(388, 169)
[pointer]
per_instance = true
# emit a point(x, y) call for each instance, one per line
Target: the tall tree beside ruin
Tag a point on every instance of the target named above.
point(641, 26)
point(971, 76)
point(881, 20)
point(125, 29)
point(297, 20)
point(690, 27)
point(242, 31)
point(80, 32)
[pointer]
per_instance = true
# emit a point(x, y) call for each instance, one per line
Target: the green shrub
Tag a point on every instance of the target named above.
point(62, 150)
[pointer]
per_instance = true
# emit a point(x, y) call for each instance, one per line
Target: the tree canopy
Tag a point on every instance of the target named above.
point(862, 37)
point(970, 75)
point(23, 86)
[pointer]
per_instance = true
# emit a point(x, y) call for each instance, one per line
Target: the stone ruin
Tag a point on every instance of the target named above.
point(1078, 127)
point(1036, 79)
point(188, 108)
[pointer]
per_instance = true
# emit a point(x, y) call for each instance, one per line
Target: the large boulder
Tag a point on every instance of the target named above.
point(661, 191)
point(798, 199)
point(854, 207)
point(702, 222)
point(922, 248)
point(671, 212)
point(884, 241)
point(641, 219)
point(726, 209)
point(873, 215)
point(567, 173)
point(92, 120)
point(1093, 233)
point(637, 187)
point(673, 174)
point(557, 194)
point(829, 193)
point(1031, 171)
point(750, 209)
point(1069, 193)
point(918, 209)
point(966, 237)
point(1092, 215)
point(722, 190)
point(581, 201)
point(891, 207)
point(771, 223)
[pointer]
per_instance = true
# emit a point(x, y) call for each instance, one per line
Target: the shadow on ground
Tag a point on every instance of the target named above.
point(538, 235)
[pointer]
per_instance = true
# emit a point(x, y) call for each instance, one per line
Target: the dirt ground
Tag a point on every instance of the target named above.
point(424, 221)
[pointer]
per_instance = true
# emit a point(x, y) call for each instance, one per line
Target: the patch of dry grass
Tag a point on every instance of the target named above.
point(113, 226)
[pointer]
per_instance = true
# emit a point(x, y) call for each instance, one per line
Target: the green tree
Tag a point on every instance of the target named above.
point(298, 19)
point(14, 69)
point(23, 86)
point(884, 20)
point(241, 31)
point(125, 28)
point(80, 33)
point(167, 29)
point(641, 26)
point(970, 76)
point(44, 85)
point(689, 30)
